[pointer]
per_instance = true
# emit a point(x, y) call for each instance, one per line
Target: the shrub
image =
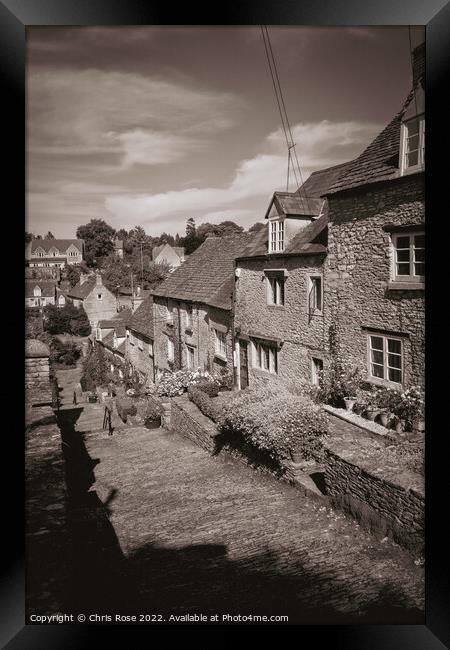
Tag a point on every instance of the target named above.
point(342, 380)
point(210, 388)
point(204, 402)
point(276, 423)
point(95, 369)
point(176, 383)
point(66, 354)
point(66, 320)
point(125, 406)
point(150, 410)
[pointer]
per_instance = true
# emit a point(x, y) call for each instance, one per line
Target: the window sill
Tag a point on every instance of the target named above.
point(220, 357)
point(405, 286)
point(263, 373)
point(272, 305)
point(384, 382)
point(189, 330)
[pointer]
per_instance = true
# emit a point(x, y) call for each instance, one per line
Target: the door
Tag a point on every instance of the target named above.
point(243, 364)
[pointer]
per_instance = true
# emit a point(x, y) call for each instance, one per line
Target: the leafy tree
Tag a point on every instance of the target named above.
point(98, 239)
point(66, 320)
point(33, 322)
point(95, 370)
point(28, 237)
point(191, 241)
point(37, 236)
point(49, 235)
point(72, 272)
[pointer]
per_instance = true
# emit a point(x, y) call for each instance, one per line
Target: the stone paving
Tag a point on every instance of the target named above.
point(161, 526)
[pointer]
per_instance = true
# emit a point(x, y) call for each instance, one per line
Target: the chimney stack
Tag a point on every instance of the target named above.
point(98, 279)
point(418, 58)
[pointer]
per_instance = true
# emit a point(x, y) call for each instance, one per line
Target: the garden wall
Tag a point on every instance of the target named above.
point(384, 506)
point(187, 420)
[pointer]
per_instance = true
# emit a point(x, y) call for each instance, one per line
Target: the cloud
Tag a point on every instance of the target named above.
point(319, 145)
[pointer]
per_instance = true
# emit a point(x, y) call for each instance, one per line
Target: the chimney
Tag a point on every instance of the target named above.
point(98, 279)
point(83, 277)
point(418, 58)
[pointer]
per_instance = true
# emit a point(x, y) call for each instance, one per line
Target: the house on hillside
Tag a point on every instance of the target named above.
point(375, 275)
point(39, 293)
point(167, 254)
point(98, 302)
point(279, 287)
point(140, 341)
point(192, 308)
point(44, 253)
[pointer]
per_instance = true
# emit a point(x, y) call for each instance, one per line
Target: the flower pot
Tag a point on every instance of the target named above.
point(371, 414)
point(400, 426)
point(349, 403)
point(384, 418)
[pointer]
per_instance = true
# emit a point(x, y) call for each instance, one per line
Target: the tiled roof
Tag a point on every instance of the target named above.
point(121, 348)
point(157, 250)
point(47, 288)
point(291, 203)
point(48, 259)
point(380, 160)
point(320, 181)
point(142, 319)
point(118, 320)
point(204, 276)
point(82, 290)
point(61, 244)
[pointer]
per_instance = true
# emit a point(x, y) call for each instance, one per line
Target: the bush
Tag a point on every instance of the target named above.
point(125, 406)
point(66, 320)
point(204, 402)
point(210, 388)
point(275, 423)
point(66, 354)
point(176, 383)
point(150, 410)
point(342, 380)
point(95, 371)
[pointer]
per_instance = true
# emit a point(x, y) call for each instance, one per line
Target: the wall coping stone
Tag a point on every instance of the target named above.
point(36, 349)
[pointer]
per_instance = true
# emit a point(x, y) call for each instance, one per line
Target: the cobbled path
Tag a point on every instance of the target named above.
point(172, 529)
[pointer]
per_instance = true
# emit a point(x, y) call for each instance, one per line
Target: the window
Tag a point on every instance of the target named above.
point(315, 295)
point(265, 357)
point(188, 316)
point(150, 349)
point(99, 296)
point(220, 343)
point(385, 358)
point(170, 312)
point(170, 350)
point(409, 254)
point(276, 236)
point(316, 371)
point(275, 288)
point(189, 357)
point(413, 143)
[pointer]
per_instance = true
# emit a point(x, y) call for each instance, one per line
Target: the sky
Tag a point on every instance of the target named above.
point(152, 125)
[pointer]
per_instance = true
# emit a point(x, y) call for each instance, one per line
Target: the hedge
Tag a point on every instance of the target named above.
point(201, 399)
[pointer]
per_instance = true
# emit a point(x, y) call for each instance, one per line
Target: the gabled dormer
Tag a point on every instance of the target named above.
point(37, 292)
point(287, 214)
point(412, 135)
point(39, 252)
point(53, 252)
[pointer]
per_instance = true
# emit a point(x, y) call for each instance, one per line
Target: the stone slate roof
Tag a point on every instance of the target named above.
point(120, 319)
point(205, 276)
point(142, 319)
point(60, 244)
point(291, 203)
point(320, 181)
point(380, 160)
point(82, 289)
point(48, 259)
point(47, 288)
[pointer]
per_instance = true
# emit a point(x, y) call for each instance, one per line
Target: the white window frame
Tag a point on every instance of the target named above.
point(190, 357)
point(412, 261)
point(150, 349)
point(275, 281)
point(99, 296)
point(277, 235)
point(189, 316)
point(385, 380)
point(220, 343)
point(264, 356)
point(170, 350)
point(315, 309)
point(170, 310)
point(404, 168)
point(315, 377)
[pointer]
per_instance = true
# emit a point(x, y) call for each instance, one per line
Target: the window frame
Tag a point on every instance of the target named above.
point(220, 343)
point(277, 235)
point(190, 357)
point(189, 316)
point(412, 262)
point(420, 165)
point(275, 288)
point(385, 381)
point(267, 363)
point(315, 378)
point(170, 351)
point(312, 281)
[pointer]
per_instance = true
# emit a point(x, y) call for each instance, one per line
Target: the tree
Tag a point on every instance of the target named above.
point(98, 240)
point(72, 272)
point(66, 320)
point(94, 368)
point(191, 240)
point(28, 237)
point(49, 235)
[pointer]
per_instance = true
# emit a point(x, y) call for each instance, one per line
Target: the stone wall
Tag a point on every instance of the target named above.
point(187, 420)
point(141, 359)
point(303, 337)
point(200, 336)
point(358, 290)
point(385, 506)
point(103, 309)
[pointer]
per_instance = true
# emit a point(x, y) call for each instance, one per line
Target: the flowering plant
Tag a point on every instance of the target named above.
point(176, 383)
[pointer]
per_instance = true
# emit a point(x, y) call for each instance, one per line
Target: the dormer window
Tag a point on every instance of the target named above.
point(37, 291)
point(412, 156)
point(276, 236)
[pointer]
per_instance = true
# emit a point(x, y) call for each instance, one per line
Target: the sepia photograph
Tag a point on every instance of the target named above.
point(225, 325)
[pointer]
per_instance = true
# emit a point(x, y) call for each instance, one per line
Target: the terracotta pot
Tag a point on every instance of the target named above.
point(349, 403)
point(371, 414)
point(400, 426)
point(384, 418)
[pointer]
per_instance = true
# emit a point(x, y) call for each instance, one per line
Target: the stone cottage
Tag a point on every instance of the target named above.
point(166, 254)
point(375, 271)
point(140, 341)
point(39, 293)
point(279, 317)
point(98, 302)
point(43, 253)
point(192, 309)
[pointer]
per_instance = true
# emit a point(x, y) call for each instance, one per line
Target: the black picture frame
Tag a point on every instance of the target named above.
point(15, 16)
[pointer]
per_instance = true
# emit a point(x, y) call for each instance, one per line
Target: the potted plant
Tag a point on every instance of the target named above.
point(152, 414)
point(92, 397)
point(350, 382)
